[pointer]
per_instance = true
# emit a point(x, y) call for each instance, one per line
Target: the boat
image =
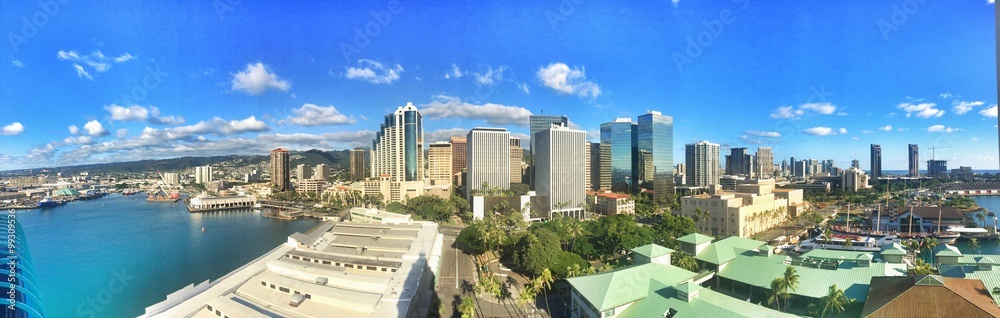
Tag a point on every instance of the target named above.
point(838, 242)
point(48, 202)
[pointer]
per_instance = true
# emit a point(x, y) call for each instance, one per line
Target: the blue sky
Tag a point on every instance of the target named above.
point(129, 80)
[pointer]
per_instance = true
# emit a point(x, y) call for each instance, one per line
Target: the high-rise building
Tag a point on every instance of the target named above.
point(655, 136)
point(516, 157)
point(876, 162)
point(321, 172)
point(739, 163)
point(560, 171)
point(853, 180)
point(487, 159)
point(600, 167)
point(172, 178)
point(203, 174)
point(538, 123)
point(280, 169)
point(914, 161)
point(303, 172)
point(439, 163)
point(765, 163)
point(702, 163)
point(937, 168)
point(645, 172)
point(360, 163)
point(398, 147)
point(621, 137)
point(856, 164)
point(458, 157)
point(586, 166)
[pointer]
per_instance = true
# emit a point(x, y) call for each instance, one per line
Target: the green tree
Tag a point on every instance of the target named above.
point(565, 261)
point(777, 293)
point(542, 283)
point(834, 302)
point(468, 307)
point(684, 260)
point(790, 281)
point(922, 268)
point(670, 228)
point(930, 243)
point(462, 208)
point(535, 251)
point(519, 189)
point(973, 243)
point(613, 235)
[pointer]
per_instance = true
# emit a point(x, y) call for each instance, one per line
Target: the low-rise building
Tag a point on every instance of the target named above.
point(928, 296)
point(752, 209)
point(393, 191)
point(311, 185)
point(607, 203)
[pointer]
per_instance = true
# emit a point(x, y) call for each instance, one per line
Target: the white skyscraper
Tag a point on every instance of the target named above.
point(702, 163)
point(487, 159)
point(398, 148)
point(203, 174)
point(560, 171)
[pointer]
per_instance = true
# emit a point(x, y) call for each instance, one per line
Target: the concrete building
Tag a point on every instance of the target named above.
point(655, 150)
point(171, 178)
point(914, 162)
point(538, 123)
point(487, 159)
point(587, 167)
point(203, 174)
point(311, 185)
point(280, 170)
point(559, 172)
point(398, 147)
point(751, 209)
point(620, 138)
point(393, 191)
point(600, 166)
point(876, 162)
point(516, 157)
point(360, 164)
point(345, 269)
point(702, 163)
point(854, 179)
point(321, 172)
point(303, 172)
point(937, 168)
point(607, 203)
point(765, 163)
point(739, 163)
point(439, 163)
point(376, 216)
point(458, 157)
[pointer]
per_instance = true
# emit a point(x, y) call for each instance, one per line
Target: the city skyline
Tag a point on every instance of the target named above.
point(819, 81)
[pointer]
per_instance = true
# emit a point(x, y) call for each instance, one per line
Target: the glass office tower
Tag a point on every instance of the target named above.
point(620, 137)
point(656, 136)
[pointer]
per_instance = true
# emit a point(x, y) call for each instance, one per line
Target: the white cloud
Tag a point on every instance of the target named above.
point(215, 126)
point(73, 129)
point(94, 128)
point(855, 138)
point(82, 73)
point(962, 107)
point(491, 75)
point(13, 129)
point(922, 110)
point(975, 139)
point(866, 131)
point(374, 72)
point(256, 79)
point(140, 113)
point(494, 114)
point(766, 134)
point(989, 112)
point(942, 128)
point(524, 88)
point(454, 73)
point(79, 140)
point(885, 128)
point(825, 131)
point(16, 63)
point(121, 133)
point(445, 134)
point(902, 129)
point(124, 57)
point(313, 115)
point(566, 80)
point(792, 112)
point(945, 95)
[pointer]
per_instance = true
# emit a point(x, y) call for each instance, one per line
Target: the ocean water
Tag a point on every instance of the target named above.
point(114, 256)
point(990, 203)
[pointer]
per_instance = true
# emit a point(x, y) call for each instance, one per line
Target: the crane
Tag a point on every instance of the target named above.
point(933, 151)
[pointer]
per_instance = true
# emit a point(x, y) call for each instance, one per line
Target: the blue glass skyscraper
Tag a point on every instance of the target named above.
point(620, 136)
point(656, 137)
point(398, 146)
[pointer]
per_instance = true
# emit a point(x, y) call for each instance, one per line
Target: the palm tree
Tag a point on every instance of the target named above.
point(468, 307)
point(791, 282)
point(542, 283)
point(922, 268)
point(929, 244)
point(973, 243)
point(848, 242)
point(777, 292)
point(525, 296)
point(685, 261)
point(834, 301)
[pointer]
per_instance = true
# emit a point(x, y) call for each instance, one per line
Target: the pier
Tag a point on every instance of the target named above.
point(973, 189)
point(209, 203)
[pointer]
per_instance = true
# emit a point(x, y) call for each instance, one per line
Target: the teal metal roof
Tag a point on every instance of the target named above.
point(652, 250)
point(695, 238)
point(708, 303)
point(947, 250)
point(725, 250)
point(753, 269)
point(836, 254)
point(894, 249)
point(625, 285)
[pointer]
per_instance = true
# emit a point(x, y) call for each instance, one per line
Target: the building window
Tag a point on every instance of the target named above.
point(371, 268)
point(326, 262)
point(209, 308)
point(262, 283)
point(283, 289)
point(272, 286)
point(383, 269)
point(393, 270)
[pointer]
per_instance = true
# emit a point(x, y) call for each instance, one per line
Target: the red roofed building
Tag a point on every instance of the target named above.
point(607, 203)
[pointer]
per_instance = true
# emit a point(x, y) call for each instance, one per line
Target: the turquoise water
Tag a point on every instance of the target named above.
point(114, 256)
point(990, 203)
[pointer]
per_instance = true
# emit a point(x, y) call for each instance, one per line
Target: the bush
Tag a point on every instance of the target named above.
point(565, 260)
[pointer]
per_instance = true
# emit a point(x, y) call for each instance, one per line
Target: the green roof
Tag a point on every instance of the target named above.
point(625, 285)
point(66, 191)
point(894, 249)
point(947, 250)
point(835, 254)
point(725, 250)
point(754, 269)
point(695, 238)
point(652, 250)
point(986, 260)
point(709, 303)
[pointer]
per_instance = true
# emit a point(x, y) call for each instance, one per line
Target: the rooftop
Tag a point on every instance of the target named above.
point(628, 284)
point(695, 238)
point(652, 250)
point(725, 250)
point(938, 296)
point(662, 298)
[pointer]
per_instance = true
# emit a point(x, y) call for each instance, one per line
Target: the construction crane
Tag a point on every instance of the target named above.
point(933, 151)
